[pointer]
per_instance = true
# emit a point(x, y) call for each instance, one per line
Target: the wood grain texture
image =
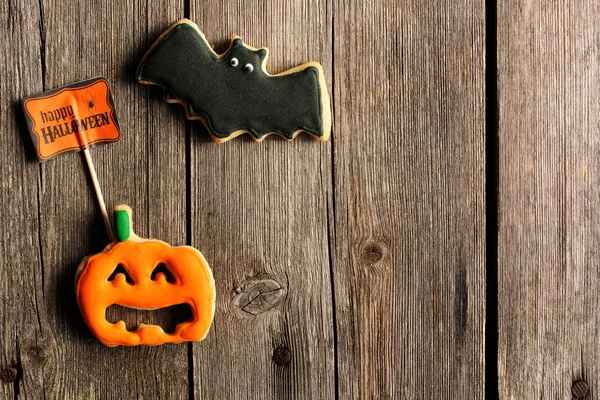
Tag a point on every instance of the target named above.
point(549, 173)
point(409, 234)
point(259, 214)
point(20, 267)
point(78, 41)
point(348, 269)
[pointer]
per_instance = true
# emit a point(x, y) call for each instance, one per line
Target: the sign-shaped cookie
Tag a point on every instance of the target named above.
point(130, 273)
point(232, 93)
point(72, 117)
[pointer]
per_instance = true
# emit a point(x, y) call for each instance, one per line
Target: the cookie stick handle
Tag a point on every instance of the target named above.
point(90, 164)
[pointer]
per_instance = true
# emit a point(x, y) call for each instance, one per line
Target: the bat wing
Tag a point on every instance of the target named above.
point(229, 100)
point(180, 61)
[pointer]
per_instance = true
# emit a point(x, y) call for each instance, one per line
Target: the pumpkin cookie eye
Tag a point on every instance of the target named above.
point(248, 67)
point(161, 269)
point(120, 269)
point(234, 62)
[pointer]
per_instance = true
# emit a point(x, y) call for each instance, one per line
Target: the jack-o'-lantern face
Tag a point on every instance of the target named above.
point(98, 286)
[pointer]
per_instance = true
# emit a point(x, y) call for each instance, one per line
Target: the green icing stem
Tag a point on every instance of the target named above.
point(122, 225)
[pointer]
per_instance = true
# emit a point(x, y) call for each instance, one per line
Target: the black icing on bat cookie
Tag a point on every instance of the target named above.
point(231, 92)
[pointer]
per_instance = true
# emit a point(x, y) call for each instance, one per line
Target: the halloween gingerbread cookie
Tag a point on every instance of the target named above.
point(232, 93)
point(98, 287)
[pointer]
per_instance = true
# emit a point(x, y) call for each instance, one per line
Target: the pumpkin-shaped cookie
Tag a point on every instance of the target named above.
point(146, 289)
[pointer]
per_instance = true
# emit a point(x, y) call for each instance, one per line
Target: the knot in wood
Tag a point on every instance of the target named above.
point(257, 297)
point(372, 252)
point(282, 356)
point(9, 374)
point(580, 389)
point(38, 353)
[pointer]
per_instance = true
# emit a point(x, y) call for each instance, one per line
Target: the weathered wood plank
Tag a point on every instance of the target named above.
point(409, 265)
point(82, 40)
point(20, 267)
point(549, 140)
point(259, 214)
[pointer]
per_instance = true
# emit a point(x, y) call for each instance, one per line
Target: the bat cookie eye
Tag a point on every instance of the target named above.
point(248, 67)
point(234, 62)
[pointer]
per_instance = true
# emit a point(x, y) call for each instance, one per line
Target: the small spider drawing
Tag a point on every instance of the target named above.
point(89, 100)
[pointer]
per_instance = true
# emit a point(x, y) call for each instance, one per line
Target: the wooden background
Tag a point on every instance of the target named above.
point(443, 244)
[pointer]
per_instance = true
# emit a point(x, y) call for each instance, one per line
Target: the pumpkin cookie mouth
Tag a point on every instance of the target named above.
point(167, 318)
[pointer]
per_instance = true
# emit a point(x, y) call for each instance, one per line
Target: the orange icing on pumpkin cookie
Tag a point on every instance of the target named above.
point(193, 284)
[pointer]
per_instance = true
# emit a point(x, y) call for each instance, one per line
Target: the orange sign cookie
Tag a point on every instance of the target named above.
point(193, 284)
point(71, 117)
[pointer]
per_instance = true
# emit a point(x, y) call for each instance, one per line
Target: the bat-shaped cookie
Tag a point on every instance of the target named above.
point(231, 92)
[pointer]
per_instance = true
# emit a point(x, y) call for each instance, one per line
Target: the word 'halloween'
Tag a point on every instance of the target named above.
point(53, 132)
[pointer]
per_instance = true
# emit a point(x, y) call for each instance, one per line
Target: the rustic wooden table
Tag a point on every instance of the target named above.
point(443, 243)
